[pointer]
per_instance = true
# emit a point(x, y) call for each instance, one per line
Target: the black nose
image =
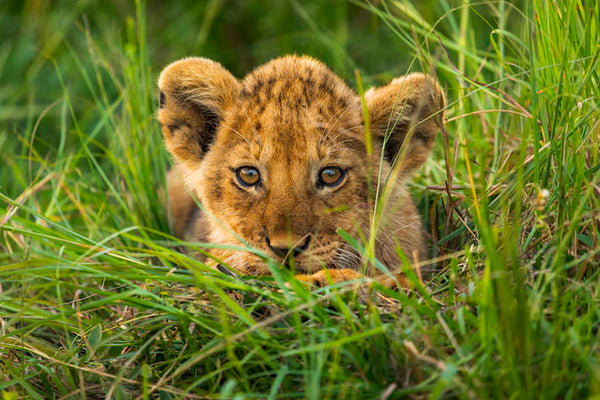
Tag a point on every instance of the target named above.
point(285, 251)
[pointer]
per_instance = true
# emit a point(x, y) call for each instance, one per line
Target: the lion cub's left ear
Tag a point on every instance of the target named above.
point(406, 113)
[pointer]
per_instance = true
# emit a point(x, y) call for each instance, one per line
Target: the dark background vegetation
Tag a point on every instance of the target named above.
point(41, 37)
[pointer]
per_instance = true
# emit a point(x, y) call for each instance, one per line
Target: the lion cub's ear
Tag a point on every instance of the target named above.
point(194, 95)
point(406, 112)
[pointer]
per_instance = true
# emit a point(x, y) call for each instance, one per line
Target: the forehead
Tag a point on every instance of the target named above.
point(294, 102)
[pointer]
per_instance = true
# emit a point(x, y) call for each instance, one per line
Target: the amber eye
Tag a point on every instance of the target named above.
point(247, 176)
point(331, 176)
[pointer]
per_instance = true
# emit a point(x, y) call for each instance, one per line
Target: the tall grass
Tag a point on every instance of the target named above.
point(95, 300)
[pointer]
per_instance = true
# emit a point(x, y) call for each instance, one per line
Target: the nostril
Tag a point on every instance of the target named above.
point(304, 245)
point(285, 251)
point(279, 251)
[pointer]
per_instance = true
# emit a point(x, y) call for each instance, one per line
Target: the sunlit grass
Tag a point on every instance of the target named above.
point(97, 302)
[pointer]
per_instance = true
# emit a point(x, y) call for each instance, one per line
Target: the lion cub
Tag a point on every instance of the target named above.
point(283, 159)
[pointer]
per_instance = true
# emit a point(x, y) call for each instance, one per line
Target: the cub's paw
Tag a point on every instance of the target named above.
point(330, 277)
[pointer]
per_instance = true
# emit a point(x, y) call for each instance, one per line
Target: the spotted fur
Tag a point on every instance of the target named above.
point(289, 119)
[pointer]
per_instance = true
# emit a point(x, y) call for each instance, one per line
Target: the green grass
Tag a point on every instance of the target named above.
point(96, 302)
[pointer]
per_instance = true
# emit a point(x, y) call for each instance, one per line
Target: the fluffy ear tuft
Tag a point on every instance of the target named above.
point(406, 112)
point(194, 95)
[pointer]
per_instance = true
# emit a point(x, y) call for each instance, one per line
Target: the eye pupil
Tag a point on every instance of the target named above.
point(331, 176)
point(247, 176)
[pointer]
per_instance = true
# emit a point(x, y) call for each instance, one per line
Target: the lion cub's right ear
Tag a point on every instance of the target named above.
point(406, 115)
point(194, 95)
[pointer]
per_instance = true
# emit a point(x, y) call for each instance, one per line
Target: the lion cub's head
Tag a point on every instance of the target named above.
point(281, 159)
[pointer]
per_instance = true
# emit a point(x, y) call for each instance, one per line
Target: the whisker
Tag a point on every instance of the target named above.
point(347, 257)
point(238, 133)
point(341, 114)
point(257, 137)
point(332, 139)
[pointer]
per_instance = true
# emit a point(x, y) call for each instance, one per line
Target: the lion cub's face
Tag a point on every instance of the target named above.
point(279, 161)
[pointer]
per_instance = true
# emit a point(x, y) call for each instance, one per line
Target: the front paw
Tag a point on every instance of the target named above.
point(330, 276)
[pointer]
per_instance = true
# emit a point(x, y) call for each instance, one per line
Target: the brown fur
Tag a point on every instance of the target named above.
point(289, 119)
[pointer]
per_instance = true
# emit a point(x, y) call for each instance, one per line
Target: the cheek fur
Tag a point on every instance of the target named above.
point(241, 211)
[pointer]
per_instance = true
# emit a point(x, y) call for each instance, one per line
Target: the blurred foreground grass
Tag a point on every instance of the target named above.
point(95, 302)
